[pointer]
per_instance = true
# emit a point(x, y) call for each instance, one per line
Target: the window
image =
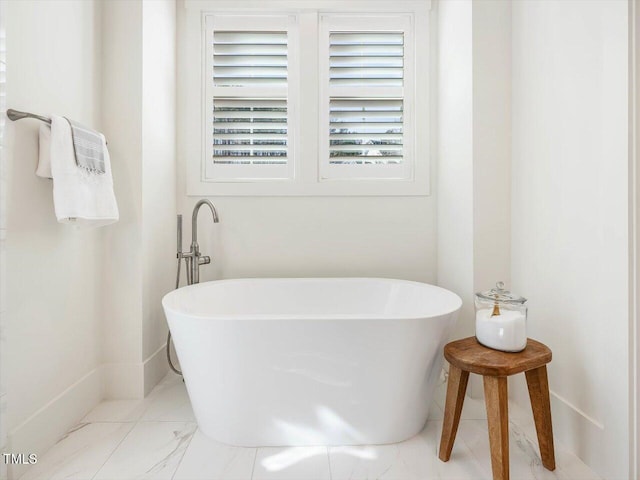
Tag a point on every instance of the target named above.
point(329, 99)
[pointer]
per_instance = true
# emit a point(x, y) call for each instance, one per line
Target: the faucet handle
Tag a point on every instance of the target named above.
point(204, 260)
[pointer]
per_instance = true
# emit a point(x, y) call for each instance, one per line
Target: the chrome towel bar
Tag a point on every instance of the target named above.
point(18, 115)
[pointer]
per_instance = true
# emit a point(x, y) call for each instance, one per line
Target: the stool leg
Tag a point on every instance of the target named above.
point(456, 388)
point(539, 394)
point(495, 394)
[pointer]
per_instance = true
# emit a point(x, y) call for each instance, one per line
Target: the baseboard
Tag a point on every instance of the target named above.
point(155, 368)
point(46, 426)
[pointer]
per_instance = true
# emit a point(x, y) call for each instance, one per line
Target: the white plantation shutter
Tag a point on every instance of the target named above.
point(249, 116)
point(325, 98)
point(366, 85)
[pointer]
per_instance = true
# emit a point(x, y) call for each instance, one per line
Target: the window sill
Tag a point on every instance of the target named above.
point(325, 188)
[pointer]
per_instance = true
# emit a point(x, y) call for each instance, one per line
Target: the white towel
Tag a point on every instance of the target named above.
point(44, 153)
point(80, 197)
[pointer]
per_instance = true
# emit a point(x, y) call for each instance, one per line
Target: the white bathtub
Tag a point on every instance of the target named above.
point(328, 361)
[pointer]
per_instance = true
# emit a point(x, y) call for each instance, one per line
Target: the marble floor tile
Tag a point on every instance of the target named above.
point(461, 466)
point(116, 411)
point(133, 409)
point(419, 454)
point(367, 463)
point(292, 463)
point(80, 453)
point(156, 438)
point(171, 404)
point(524, 456)
point(206, 459)
point(152, 450)
point(413, 459)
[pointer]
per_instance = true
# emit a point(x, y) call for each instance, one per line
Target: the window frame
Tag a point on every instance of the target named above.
point(305, 113)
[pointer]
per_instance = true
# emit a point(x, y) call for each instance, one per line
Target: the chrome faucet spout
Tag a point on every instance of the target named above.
point(195, 257)
point(194, 218)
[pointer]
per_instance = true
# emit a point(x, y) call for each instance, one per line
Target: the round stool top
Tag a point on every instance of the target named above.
point(469, 355)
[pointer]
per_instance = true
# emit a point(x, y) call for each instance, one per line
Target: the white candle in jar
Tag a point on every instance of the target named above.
point(506, 331)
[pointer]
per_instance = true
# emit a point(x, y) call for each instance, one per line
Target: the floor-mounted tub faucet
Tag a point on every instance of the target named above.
point(194, 258)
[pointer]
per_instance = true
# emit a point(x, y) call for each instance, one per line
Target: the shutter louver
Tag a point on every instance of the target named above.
point(366, 59)
point(249, 131)
point(368, 129)
point(242, 59)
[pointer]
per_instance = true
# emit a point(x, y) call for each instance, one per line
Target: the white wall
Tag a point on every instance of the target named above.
point(569, 214)
point(474, 132)
point(158, 178)
point(122, 124)
point(82, 308)
point(634, 197)
point(139, 118)
point(455, 156)
point(491, 143)
point(51, 362)
point(3, 235)
point(297, 236)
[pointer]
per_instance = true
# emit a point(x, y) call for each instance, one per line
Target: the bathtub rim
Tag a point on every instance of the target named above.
point(281, 316)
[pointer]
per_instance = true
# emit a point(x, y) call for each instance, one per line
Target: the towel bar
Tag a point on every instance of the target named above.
point(18, 115)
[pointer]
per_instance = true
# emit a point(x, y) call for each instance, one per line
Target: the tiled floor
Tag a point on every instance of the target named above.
point(157, 438)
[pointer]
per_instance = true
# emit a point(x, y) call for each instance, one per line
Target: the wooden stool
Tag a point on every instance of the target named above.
point(468, 355)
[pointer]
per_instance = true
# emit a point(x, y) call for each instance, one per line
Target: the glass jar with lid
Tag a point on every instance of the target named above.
point(501, 319)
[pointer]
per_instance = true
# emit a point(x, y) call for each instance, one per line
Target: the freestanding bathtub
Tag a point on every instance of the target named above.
point(310, 361)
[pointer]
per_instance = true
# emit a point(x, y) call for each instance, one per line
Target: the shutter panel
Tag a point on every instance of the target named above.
point(249, 120)
point(367, 129)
